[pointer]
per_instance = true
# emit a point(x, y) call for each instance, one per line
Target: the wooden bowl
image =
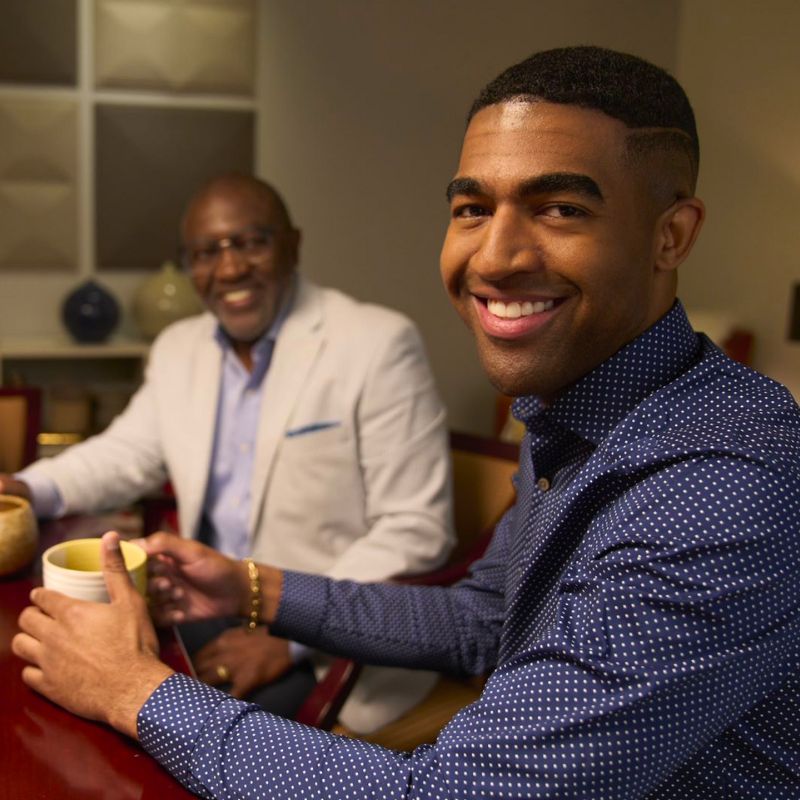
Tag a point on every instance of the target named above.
point(18, 534)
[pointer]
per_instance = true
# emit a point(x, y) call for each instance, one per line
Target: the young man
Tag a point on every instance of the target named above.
point(640, 604)
point(297, 426)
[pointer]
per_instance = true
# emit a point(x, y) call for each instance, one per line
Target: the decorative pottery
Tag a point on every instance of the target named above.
point(18, 534)
point(90, 313)
point(163, 299)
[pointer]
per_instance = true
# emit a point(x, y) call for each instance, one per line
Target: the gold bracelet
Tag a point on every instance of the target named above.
point(255, 594)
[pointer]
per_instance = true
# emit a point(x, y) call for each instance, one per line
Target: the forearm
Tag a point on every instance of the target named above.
point(207, 750)
point(453, 629)
point(390, 625)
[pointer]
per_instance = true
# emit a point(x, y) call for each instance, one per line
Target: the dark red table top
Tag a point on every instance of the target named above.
point(46, 752)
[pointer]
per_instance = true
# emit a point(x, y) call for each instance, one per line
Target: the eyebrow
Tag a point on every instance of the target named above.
point(573, 182)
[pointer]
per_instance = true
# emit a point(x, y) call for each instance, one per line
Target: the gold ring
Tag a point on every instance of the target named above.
point(223, 673)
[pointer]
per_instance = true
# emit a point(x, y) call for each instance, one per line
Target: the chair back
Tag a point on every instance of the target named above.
point(20, 422)
point(482, 487)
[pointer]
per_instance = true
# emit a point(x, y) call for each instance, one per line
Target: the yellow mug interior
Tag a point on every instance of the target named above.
point(83, 555)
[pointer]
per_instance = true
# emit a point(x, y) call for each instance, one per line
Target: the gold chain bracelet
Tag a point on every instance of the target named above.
point(255, 594)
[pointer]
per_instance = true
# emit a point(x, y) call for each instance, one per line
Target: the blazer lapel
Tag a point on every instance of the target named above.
point(296, 350)
point(202, 411)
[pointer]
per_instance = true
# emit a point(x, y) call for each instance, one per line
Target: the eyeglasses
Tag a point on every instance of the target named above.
point(253, 245)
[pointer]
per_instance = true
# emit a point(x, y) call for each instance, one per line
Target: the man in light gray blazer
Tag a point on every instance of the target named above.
point(297, 426)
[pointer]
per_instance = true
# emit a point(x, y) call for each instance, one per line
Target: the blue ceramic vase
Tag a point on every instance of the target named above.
point(90, 313)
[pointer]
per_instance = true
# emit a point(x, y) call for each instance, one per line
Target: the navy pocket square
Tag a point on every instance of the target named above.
point(313, 428)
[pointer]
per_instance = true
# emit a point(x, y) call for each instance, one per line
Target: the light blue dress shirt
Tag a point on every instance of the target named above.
point(226, 508)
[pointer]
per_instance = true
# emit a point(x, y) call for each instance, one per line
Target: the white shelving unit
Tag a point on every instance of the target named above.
point(77, 380)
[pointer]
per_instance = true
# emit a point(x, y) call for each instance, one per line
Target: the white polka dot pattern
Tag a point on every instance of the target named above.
point(641, 614)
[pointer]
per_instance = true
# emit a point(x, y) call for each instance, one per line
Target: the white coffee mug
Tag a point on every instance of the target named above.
point(74, 568)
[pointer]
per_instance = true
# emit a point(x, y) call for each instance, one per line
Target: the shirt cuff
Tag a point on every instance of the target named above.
point(45, 497)
point(170, 723)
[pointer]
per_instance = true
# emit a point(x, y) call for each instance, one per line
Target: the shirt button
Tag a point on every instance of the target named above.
point(543, 484)
point(244, 447)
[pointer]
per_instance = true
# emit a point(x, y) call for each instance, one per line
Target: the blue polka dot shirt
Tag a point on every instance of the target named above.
point(638, 610)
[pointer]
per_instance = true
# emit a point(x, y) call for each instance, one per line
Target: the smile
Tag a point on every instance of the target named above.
point(515, 319)
point(514, 310)
point(237, 297)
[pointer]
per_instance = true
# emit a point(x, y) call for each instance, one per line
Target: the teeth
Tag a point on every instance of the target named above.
point(237, 296)
point(514, 310)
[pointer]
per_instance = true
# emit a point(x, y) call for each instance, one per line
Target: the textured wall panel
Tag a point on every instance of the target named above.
point(149, 161)
point(38, 41)
point(38, 197)
point(178, 45)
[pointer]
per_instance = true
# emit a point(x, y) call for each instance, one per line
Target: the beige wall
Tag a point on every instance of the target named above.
point(364, 102)
point(739, 61)
point(364, 108)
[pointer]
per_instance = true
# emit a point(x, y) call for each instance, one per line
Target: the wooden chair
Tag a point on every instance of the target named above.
point(20, 422)
point(482, 489)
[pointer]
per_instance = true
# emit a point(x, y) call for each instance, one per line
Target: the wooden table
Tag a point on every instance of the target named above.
point(46, 752)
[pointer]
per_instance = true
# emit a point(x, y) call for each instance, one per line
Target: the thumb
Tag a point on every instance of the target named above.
point(118, 581)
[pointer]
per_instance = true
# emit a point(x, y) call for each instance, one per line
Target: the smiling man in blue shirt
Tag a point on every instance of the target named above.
point(639, 607)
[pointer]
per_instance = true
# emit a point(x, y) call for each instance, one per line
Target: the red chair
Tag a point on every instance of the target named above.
point(20, 423)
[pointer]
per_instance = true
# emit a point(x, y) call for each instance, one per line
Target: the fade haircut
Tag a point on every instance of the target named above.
point(646, 98)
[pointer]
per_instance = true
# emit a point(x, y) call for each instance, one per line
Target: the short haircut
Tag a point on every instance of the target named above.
point(643, 96)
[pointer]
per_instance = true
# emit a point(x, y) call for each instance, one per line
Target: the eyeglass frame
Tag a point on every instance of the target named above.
point(235, 241)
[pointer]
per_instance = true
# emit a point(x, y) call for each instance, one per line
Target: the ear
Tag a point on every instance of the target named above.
point(678, 228)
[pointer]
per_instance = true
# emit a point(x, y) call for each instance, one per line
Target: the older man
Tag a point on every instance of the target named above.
point(298, 426)
point(640, 604)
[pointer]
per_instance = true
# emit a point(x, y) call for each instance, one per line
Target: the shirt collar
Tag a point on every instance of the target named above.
point(594, 405)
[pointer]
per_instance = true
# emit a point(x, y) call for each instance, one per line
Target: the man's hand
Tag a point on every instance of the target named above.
point(251, 658)
point(10, 485)
point(190, 581)
point(98, 660)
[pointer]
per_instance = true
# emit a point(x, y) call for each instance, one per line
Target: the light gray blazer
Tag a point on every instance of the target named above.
point(351, 475)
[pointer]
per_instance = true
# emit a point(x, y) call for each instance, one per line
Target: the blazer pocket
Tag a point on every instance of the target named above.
point(313, 427)
point(316, 438)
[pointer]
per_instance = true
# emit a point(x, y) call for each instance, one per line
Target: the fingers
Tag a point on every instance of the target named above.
point(118, 581)
point(240, 689)
point(212, 673)
point(27, 647)
point(213, 664)
point(11, 485)
point(51, 602)
point(165, 601)
point(34, 678)
point(183, 551)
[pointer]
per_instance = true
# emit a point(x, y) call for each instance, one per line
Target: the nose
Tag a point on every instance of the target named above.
point(509, 245)
point(231, 263)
